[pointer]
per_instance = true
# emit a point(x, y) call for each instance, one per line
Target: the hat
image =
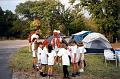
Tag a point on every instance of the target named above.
point(58, 31)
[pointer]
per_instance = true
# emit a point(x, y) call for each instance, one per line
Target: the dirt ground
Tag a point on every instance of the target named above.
point(36, 75)
point(116, 45)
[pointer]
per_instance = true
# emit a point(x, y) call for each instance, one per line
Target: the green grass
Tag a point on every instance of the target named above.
point(22, 60)
point(97, 68)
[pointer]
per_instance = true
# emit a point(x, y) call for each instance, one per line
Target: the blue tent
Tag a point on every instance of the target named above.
point(77, 37)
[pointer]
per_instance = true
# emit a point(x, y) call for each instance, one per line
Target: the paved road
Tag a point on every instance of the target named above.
point(6, 49)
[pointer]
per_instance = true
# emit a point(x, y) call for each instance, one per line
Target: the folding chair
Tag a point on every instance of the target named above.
point(117, 51)
point(109, 56)
point(118, 55)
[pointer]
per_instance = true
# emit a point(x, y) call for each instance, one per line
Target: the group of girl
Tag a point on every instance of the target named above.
point(71, 54)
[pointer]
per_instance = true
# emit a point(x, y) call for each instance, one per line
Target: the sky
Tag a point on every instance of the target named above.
point(11, 4)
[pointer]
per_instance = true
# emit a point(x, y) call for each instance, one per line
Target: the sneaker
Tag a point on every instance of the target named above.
point(77, 73)
point(44, 75)
point(73, 75)
point(41, 73)
point(81, 70)
point(68, 77)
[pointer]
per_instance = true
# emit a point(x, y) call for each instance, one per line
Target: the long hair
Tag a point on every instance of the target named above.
point(50, 48)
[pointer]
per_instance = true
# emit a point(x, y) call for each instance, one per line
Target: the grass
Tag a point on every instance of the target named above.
point(21, 60)
point(96, 68)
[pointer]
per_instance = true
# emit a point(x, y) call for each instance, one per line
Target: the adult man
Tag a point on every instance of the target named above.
point(56, 40)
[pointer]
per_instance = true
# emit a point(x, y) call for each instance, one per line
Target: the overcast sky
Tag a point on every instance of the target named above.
point(11, 4)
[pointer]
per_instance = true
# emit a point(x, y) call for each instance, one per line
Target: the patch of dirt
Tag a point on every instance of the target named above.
point(36, 75)
point(115, 45)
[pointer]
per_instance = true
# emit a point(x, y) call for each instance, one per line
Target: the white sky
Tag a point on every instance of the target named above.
point(11, 4)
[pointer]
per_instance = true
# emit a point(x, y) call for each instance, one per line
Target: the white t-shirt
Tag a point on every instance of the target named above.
point(34, 52)
point(44, 56)
point(39, 54)
point(34, 36)
point(64, 53)
point(33, 46)
point(51, 57)
point(81, 50)
point(73, 52)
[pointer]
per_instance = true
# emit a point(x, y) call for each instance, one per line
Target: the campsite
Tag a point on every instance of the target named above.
point(96, 67)
point(59, 39)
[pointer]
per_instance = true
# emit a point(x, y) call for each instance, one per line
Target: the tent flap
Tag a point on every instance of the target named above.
point(77, 37)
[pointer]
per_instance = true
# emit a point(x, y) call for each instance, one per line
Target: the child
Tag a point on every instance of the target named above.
point(35, 35)
point(64, 54)
point(30, 41)
point(44, 59)
point(40, 50)
point(51, 58)
point(34, 51)
point(73, 58)
point(81, 50)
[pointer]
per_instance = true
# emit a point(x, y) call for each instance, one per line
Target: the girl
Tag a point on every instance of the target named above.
point(74, 58)
point(51, 58)
point(64, 54)
point(34, 51)
point(40, 50)
point(44, 59)
point(81, 50)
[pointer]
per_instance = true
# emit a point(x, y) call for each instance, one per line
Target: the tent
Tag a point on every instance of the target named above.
point(77, 37)
point(96, 42)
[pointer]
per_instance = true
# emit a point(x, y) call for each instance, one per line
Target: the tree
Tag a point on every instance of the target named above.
point(91, 24)
point(47, 11)
point(2, 23)
point(106, 14)
point(52, 15)
point(77, 22)
point(35, 24)
point(6, 19)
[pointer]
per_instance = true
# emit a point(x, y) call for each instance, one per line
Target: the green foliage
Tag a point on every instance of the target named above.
point(106, 14)
point(46, 11)
point(9, 25)
point(52, 15)
point(2, 23)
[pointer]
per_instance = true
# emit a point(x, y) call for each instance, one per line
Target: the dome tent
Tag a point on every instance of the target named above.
point(96, 42)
